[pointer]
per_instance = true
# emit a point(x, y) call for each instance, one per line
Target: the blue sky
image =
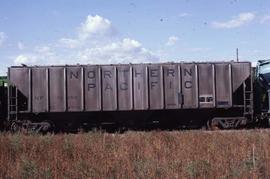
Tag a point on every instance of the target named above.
point(101, 31)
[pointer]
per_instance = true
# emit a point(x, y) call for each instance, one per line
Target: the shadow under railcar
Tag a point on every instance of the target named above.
point(113, 121)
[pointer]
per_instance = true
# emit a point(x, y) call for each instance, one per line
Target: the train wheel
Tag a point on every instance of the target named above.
point(15, 127)
point(226, 123)
point(42, 127)
point(37, 127)
point(47, 126)
point(212, 125)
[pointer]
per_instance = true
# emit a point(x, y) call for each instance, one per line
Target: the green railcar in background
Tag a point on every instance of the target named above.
point(3, 81)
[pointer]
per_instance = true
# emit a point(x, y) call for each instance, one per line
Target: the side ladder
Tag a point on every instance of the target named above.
point(248, 99)
point(13, 103)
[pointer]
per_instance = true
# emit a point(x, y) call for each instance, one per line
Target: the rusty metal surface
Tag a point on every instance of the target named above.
point(172, 88)
point(189, 85)
point(206, 85)
point(109, 88)
point(57, 90)
point(156, 86)
point(124, 84)
point(140, 87)
point(92, 88)
point(223, 85)
point(74, 88)
point(40, 89)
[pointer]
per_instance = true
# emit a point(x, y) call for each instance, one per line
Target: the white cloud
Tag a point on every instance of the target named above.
point(265, 19)
point(96, 42)
point(95, 26)
point(241, 19)
point(26, 59)
point(92, 31)
point(125, 51)
point(20, 45)
point(3, 37)
point(172, 40)
point(42, 56)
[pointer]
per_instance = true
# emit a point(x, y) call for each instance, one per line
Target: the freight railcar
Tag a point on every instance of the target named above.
point(214, 94)
point(3, 101)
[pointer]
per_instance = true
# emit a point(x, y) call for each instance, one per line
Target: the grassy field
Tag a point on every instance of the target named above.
point(186, 154)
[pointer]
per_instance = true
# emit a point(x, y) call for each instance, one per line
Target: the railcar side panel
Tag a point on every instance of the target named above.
point(189, 74)
point(156, 86)
point(74, 88)
point(206, 85)
point(20, 77)
point(92, 88)
point(223, 85)
point(40, 90)
point(172, 89)
point(57, 89)
point(124, 84)
point(129, 87)
point(240, 72)
point(109, 88)
point(140, 87)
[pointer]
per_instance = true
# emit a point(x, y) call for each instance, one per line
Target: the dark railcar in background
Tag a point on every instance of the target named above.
point(218, 94)
point(3, 100)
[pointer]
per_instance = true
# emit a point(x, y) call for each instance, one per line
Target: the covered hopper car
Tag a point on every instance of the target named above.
point(186, 95)
point(171, 95)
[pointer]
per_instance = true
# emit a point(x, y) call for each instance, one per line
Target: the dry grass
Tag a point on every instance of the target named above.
point(188, 154)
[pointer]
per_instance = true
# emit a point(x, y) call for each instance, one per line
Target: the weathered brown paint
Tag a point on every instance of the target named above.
point(21, 78)
point(240, 72)
point(74, 88)
point(172, 88)
point(223, 85)
point(206, 85)
point(109, 88)
point(140, 87)
point(40, 89)
point(189, 85)
point(57, 89)
point(155, 84)
point(129, 87)
point(92, 88)
point(124, 80)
